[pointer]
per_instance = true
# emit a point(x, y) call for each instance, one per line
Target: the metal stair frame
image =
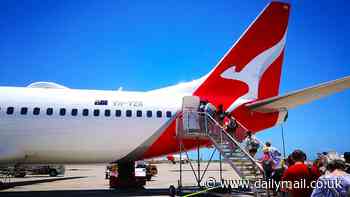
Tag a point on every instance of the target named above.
point(236, 143)
point(209, 128)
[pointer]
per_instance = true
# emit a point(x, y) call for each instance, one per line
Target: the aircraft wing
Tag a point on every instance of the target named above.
point(299, 97)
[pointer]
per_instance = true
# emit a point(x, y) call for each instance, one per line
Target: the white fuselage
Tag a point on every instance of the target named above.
point(66, 138)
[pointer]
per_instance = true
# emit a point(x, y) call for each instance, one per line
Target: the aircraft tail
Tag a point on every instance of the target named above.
point(251, 69)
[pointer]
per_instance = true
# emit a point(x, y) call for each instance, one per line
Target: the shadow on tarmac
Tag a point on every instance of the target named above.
point(23, 183)
point(88, 193)
point(202, 170)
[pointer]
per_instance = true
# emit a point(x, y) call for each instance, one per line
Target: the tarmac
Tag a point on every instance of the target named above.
point(89, 180)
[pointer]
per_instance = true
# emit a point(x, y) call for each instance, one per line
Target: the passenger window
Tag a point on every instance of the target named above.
point(168, 114)
point(24, 111)
point(62, 111)
point(36, 111)
point(74, 112)
point(10, 110)
point(118, 113)
point(159, 114)
point(96, 112)
point(107, 112)
point(85, 112)
point(128, 113)
point(49, 111)
point(149, 114)
point(139, 113)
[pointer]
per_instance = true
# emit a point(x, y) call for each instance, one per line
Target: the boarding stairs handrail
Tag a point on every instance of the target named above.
point(243, 149)
point(245, 128)
point(206, 133)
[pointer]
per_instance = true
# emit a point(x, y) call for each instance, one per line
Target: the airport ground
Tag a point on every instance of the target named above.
point(89, 180)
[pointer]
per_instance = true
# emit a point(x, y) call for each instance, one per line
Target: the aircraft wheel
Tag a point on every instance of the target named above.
point(53, 173)
point(172, 190)
point(20, 174)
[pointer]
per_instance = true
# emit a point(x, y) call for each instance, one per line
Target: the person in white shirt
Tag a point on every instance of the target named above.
point(252, 144)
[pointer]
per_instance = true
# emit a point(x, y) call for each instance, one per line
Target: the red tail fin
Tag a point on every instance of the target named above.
point(251, 69)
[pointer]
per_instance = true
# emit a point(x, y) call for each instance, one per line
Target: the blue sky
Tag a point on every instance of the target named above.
point(143, 45)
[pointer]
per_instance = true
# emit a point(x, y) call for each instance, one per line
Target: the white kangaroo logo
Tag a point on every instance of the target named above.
point(253, 71)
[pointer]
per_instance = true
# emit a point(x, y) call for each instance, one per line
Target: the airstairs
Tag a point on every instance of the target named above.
point(194, 124)
point(233, 152)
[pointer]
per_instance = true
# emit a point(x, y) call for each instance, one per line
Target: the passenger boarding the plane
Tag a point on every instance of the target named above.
point(202, 118)
point(252, 144)
point(210, 109)
point(274, 152)
point(202, 105)
point(221, 115)
point(230, 125)
point(267, 164)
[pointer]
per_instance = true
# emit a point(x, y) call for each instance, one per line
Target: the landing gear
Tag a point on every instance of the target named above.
point(123, 176)
point(19, 172)
point(53, 172)
point(172, 190)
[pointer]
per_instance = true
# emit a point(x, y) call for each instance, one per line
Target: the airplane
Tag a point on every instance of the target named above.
point(49, 123)
point(173, 158)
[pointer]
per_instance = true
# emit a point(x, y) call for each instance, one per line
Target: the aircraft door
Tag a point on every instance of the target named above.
point(190, 105)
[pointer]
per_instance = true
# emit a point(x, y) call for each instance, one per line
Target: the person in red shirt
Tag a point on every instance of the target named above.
point(299, 175)
point(315, 169)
